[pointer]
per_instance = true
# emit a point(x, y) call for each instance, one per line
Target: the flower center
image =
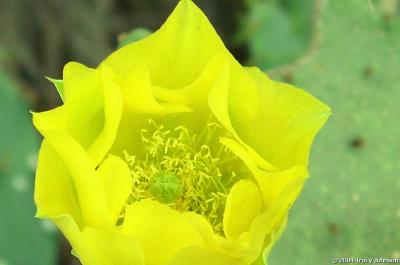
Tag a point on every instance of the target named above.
point(187, 172)
point(165, 187)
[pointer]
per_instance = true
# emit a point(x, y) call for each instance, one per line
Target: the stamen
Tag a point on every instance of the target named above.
point(184, 171)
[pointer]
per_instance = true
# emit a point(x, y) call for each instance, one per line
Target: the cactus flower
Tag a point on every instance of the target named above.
point(172, 153)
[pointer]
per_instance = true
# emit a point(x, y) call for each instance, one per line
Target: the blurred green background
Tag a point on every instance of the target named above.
point(345, 52)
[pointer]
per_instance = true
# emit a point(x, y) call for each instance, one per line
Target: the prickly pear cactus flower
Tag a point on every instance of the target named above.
point(172, 153)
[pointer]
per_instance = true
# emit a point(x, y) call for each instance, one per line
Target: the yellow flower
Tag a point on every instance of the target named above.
point(172, 153)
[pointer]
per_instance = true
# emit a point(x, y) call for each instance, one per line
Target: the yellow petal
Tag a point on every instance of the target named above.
point(117, 182)
point(50, 120)
point(54, 191)
point(218, 98)
point(112, 111)
point(129, 134)
point(267, 227)
point(195, 94)
point(91, 112)
point(203, 256)
point(161, 231)
point(175, 66)
point(260, 260)
point(87, 185)
point(279, 191)
point(249, 105)
point(271, 183)
point(275, 235)
point(99, 246)
point(139, 100)
point(83, 97)
point(227, 249)
point(177, 53)
point(243, 205)
point(232, 77)
point(139, 95)
point(93, 105)
point(287, 117)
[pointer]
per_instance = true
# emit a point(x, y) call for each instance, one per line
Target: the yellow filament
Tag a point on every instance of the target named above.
point(204, 180)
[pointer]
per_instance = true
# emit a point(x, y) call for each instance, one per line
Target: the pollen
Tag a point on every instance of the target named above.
point(186, 171)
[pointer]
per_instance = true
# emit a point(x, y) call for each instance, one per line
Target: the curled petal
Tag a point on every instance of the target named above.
point(84, 103)
point(79, 178)
point(94, 246)
point(288, 118)
point(271, 183)
point(243, 205)
point(139, 95)
point(161, 231)
point(112, 111)
point(268, 227)
point(91, 112)
point(116, 179)
point(203, 256)
point(177, 53)
point(54, 191)
point(54, 119)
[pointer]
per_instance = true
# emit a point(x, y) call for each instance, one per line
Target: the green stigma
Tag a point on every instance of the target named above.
point(165, 187)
